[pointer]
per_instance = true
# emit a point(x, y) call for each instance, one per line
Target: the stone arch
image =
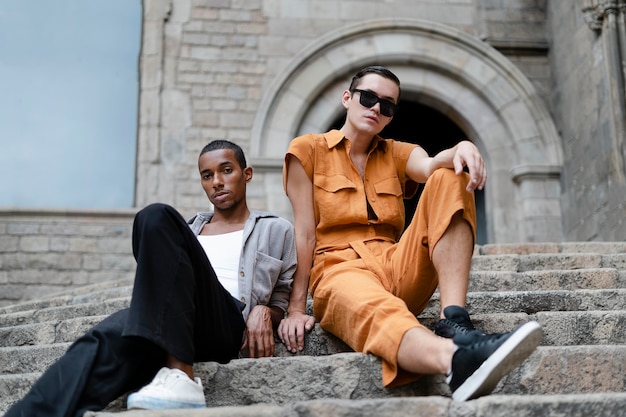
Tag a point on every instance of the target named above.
point(451, 71)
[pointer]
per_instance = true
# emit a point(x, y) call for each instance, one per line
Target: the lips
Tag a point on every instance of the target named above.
point(371, 117)
point(220, 195)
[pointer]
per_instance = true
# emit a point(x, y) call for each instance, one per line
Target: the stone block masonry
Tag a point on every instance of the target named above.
point(45, 252)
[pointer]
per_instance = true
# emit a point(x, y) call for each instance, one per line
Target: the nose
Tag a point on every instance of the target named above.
point(217, 180)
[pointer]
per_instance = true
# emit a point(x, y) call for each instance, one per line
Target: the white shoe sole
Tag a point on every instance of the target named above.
point(519, 346)
point(149, 403)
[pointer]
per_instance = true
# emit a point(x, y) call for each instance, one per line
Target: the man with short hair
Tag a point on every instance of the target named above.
point(205, 290)
point(369, 277)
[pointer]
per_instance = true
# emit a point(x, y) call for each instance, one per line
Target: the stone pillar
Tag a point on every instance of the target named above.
point(537, 197)
point(607, 18)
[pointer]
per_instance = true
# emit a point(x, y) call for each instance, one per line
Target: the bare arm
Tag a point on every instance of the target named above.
point(464, 154)
point(300, 193)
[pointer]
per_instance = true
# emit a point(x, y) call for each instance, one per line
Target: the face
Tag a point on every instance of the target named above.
point(370, 120)
point(223, 180)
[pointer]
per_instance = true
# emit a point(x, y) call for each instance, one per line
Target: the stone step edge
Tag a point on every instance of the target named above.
point(606, 249)
point(68, 297)
point(476, 298)
point(597, 405)
point(572, 247)
point(295, 358)
point(319, 342)
point(239, 381)
point(611, 276)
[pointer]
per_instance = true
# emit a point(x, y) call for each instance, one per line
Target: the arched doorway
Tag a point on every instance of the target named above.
point(432, 130)
point(472, 84)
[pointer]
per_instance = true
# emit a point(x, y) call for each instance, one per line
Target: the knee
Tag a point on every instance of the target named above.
point(153, 214)
point(155, 218)
point(448, 174)
point(155, 209)
point(446, 177)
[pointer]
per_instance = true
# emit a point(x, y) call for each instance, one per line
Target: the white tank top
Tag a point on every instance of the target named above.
point(224, 252)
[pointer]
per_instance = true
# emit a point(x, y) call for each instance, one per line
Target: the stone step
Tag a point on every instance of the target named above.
point(495, 298)
point(531, 302)
point(576, 290)
point(47, 332)
point(550, 261)
point(549, 371)
point(560, 327)
point(14, 387)
point(552, 247)
point(478, 303)
point(29, 359)
point(502, 257)
point(576, 330)
point(557, 279)
point(94, 292)
point(63, 312)
point(596, 405)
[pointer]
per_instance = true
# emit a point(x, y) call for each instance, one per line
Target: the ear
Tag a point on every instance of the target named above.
point(247, 173)
point(345, 98)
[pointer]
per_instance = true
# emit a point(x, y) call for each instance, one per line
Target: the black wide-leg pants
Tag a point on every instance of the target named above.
point(178, 307)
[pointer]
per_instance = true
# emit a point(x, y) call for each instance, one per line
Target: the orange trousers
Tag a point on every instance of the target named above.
point(370, 293)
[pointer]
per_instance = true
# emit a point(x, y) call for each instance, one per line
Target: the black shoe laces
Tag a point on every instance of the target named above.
point(480, 339)
point(464, 327)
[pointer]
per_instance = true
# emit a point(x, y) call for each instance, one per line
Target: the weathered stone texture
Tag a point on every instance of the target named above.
point(581, 108)
point(45, 252)
point(517, 21)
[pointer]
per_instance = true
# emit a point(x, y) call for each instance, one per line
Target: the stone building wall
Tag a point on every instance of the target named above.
point(46, 252)
point(211, 70)
point(207, 66)
point(222, 68)
point(589, 118)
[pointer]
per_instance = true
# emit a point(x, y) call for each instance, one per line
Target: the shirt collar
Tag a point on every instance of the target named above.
point(335, 137)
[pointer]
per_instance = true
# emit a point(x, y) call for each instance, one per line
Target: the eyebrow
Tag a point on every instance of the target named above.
point(222, 164)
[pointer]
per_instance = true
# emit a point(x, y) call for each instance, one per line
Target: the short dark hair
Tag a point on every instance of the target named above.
point(226, 144)
point(374, 69)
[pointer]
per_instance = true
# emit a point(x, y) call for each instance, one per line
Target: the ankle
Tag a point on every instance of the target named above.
point(447, 355)
point(174, 363)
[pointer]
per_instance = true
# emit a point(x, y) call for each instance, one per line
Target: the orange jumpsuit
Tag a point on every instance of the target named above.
point(369, 280)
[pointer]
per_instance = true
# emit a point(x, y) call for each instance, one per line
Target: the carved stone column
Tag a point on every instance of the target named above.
point(607, 18)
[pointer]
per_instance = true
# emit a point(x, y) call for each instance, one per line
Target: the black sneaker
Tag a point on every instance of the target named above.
point(457, 321)
point(481, 361)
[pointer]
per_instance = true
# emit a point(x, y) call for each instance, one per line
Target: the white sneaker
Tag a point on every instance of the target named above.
point(170, 388)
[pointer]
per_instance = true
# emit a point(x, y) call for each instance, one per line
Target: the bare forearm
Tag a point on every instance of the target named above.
point(442, 160)
point(420, 166)
point(300, 286)
point(305, 242)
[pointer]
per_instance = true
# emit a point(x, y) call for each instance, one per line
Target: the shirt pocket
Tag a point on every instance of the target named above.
point(389, 195)
point(337, 199)
point(265, 275)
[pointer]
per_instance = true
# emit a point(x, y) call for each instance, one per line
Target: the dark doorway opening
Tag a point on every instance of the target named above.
point(432, 130)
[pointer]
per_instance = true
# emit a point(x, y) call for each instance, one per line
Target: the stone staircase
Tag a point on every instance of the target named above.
point(577, 291)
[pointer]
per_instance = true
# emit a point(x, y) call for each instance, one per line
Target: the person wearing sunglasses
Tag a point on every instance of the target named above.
point(370, 278)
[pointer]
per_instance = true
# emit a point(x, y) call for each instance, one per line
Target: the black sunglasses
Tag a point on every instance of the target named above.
point(369, 100)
